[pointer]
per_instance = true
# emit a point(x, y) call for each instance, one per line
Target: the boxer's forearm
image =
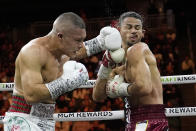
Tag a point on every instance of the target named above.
point(99, 90)
point(38, 93)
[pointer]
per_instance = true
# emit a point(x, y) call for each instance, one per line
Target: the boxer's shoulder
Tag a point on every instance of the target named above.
point(35, 52)
point(138, 49)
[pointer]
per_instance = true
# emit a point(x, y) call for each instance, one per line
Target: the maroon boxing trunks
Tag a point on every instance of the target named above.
point(146, 118)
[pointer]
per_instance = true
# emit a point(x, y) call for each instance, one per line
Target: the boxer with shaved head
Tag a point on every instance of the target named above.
point(45, 68)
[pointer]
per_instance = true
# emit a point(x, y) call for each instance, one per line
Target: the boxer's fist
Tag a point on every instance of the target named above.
point(109, 61)
point(117, 87)
point(109, 38)
point(114, 52)
point(75, 74)
point(111, 58)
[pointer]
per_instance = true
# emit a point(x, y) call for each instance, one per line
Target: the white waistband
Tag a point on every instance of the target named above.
point(17, 114)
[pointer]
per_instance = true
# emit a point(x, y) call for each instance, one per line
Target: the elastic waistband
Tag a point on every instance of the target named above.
point(19, 104)
point(40, 110)
point(17, 114)
point(146, 112)
point(24, 115)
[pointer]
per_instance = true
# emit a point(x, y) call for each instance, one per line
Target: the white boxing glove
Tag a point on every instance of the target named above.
point(74, 75)
point(113, 55)
point(113, 41)
point(100, 43)
point(117, 87)
point(109, 61)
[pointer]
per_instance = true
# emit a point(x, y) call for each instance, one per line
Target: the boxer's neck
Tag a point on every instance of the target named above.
point(52, 46)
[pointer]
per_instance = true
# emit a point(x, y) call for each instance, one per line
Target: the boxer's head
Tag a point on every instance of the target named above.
point(131, 28)
point(70, 31)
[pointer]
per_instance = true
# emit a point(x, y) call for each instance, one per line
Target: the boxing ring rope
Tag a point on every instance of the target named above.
point(113, 115)
point(175, 79)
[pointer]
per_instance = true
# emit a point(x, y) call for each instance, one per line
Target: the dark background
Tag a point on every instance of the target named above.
point(16, 17)
point(23, 11)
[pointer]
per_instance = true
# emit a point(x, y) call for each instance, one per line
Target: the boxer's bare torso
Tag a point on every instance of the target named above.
point(43, 66)
point(141, 68)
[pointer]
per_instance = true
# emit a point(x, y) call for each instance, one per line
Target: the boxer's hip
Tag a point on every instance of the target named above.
point(19, 105)
point(25, 122)
point(39, 110)
point(147, 112)
point(146, 117)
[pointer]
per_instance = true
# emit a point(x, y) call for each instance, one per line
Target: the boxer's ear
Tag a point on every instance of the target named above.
point(143, 33)
point(60, 35)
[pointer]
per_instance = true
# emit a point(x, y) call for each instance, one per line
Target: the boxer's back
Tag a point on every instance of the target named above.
point(140, 67)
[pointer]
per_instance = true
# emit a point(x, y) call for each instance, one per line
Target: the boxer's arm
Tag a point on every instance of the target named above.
point(31, 79)
point(99, 90)
point(120, 70)
point(99, 43)
point(112, 56)
point(139, 71)
point(106, 72)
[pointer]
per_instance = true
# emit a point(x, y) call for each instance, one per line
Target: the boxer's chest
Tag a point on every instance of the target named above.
point(51, 71)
